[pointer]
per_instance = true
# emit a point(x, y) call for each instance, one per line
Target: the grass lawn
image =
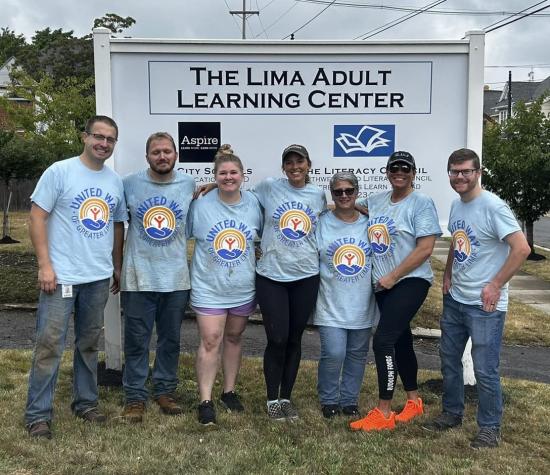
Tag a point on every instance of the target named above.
point(249, 443)
point(524, 326)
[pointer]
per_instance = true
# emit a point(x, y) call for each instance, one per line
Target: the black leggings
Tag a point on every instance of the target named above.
point(393, 341)
point(285, 307)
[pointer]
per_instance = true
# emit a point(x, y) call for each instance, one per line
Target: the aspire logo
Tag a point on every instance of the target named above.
point(198, 141)
point(364, 140)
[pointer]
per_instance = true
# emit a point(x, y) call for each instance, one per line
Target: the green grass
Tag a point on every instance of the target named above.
point(539, 268)
point(249, 443)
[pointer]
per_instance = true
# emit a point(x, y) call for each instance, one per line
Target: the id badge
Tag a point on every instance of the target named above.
point(66, 291)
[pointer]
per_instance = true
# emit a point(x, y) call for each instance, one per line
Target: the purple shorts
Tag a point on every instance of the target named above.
point(240, 311)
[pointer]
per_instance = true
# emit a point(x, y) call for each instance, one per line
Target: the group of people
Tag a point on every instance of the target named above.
point(358, 267)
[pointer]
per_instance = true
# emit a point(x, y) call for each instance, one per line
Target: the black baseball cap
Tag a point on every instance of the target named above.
point(295, 148)
point(403, 157)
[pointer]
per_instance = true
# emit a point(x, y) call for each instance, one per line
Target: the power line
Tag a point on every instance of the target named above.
point(516, 19)
point(512, 15)
point(397, 21)
point(310, 20)
point(234, 20)
point(412, 9)
point(295, 4)
point(260, 18)
point(244, 13)
point(265, 6)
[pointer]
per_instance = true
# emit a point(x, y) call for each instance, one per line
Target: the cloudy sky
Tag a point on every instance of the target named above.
point(523, 44)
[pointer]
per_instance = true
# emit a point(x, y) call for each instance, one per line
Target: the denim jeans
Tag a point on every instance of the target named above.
point(142, 310)
point(52, 321)
point(460, 321)
point(342, 364)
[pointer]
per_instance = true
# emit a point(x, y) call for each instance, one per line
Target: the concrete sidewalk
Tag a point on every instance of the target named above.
point(524, 287)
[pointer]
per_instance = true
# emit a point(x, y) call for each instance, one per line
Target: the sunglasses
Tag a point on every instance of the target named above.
point(400, 167)
point(344, 191)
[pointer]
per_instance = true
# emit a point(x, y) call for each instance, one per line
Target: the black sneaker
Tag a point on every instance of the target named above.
point(40, 429)
point(351, 411)
point(330, 410)
point(207, 413)
point(486, 438)
point(231, 402)
point(92, 415)
point(443, 422)
point(288, 409)
point(274, 411)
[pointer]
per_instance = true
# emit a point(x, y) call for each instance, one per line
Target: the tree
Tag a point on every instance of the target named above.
point(20, 158)
point(114, 22)
point(10, 44)
point(516, 162)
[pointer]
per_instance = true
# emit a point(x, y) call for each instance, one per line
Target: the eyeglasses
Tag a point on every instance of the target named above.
point(102, 138)
point(400, 167)
point(467, 172)
point(344, 191)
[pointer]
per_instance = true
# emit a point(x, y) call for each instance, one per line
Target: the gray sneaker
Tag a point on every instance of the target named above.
point(443, 422)
point(288, 409)
point(486, 438)
point(274, 411)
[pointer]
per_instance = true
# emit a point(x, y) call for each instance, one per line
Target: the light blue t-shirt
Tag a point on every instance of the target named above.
point(223, 265)
point(345, 298)
point(83, 204)
point(478, 228)
point(155, 256)
point(289, 251)
point(394, 229)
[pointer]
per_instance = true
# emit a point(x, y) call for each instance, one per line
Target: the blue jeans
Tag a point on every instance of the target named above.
point(52, 321)
point(460, 321)
point(142, 310)
point(342, 365)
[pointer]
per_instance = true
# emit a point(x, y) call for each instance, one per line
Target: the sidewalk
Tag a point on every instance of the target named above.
point(524, 287)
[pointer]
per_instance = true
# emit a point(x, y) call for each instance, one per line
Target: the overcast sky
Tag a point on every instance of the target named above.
point(523, 43)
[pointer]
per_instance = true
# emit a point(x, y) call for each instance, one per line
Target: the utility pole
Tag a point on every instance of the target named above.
point(509, 94)
point(244, 13)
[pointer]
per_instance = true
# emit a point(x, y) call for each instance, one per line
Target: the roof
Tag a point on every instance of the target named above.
point(490, 98)
point(526, 91)
point(5, 72)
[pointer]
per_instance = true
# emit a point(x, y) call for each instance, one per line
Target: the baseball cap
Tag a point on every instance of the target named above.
point(401, 156)
point(295, 148)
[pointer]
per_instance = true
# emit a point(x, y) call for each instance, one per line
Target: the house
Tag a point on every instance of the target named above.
point(5, 82)
point(526, 91)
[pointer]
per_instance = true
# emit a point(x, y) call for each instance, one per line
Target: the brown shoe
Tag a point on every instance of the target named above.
point(168, 405)
point(133, 411)
point(92, 415)
point(40, 429)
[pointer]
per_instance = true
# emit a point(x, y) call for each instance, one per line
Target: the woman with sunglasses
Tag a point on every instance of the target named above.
point(345, 266)
point(403, 227)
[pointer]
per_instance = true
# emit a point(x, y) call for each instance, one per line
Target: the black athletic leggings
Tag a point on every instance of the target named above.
point(393, 341)
point(285, 307)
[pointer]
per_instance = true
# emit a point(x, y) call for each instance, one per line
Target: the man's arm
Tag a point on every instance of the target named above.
point(118, 246)
point(38, 232)
point(448, 270)
point(422, 251)
point(519, 250)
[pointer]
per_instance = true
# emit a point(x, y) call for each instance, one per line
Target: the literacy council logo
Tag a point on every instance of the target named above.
point(364, 140)
point(349, 260)
point(230, 244)
point(159, 222)
point(295, 224)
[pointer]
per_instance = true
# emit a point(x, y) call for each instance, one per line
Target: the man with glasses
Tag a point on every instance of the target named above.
point(487, 249)
point(76, 218)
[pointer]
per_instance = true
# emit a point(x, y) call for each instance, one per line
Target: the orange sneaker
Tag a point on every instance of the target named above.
point(411, 410)
point(374, 420)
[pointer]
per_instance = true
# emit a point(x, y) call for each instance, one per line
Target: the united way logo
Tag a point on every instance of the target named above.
point(295, 224)
point(159, 223)
point(229, 244)
point(462, 246)
point(349, 260)
point(364, 140)
point(380, 239)
point(94, 214)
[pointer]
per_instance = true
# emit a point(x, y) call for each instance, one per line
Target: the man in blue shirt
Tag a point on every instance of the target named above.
point(487, 249)
point(155, 276)
point(77, 215)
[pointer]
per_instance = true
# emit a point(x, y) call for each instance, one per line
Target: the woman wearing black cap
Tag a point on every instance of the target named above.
point(403, 227)
point(287, 273)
